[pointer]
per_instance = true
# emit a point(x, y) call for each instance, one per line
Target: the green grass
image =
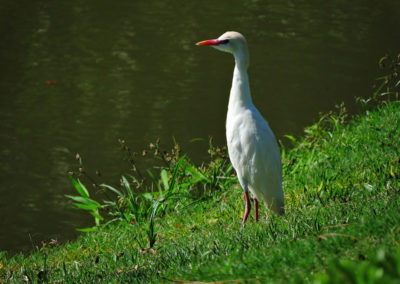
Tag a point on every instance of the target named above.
point(342, 190)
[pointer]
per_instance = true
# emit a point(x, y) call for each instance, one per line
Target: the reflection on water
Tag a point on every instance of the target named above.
point(77, 75)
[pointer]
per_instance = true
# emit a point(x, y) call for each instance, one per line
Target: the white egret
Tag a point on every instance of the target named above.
point(252, 146)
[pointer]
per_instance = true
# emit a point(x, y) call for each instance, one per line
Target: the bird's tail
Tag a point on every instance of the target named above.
point(278, 206)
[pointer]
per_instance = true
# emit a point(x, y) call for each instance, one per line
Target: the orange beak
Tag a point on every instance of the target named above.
point(209, 42)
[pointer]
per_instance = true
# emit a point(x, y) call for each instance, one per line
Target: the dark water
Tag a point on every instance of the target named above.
point(77, 75)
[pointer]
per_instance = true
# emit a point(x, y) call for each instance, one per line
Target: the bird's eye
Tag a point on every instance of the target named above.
point(224, 41)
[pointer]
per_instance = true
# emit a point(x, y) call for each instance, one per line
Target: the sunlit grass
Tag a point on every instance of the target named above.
point(342, 192)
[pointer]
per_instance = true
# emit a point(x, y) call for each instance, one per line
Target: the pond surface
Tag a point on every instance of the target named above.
point(78, 75)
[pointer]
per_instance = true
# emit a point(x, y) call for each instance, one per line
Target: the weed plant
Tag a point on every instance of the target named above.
point(180, 183)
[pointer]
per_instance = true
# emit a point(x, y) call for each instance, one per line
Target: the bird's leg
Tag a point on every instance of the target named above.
point(255, 209)
point(248, 207)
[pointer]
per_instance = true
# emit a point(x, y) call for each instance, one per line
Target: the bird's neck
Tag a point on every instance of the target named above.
point(240, 96)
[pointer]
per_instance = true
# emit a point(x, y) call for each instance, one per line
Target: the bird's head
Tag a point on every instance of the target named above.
point(232, 42)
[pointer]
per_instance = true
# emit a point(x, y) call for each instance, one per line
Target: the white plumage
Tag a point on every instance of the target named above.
point(252, 146)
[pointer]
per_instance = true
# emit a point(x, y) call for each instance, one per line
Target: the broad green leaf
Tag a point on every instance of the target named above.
point(195, 173)
point(127, 185)
point(91, 229)
point(164, 178)
point(83, 200)
point(381, 60)
point(228, 170)
point(80, 187)
point(96, 214)
point(148, 196)
point(290, 137)
point(174, 174)
point(113, 189)
point(154, 178)
point(87, 207)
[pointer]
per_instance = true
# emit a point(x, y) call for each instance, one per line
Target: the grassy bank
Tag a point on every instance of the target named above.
point(183, 223)
point(342, 186)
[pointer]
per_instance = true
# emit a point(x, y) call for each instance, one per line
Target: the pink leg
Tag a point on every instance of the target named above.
point(255, 209)
point(248, 207)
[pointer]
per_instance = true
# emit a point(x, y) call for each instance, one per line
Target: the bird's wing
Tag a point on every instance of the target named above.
point(253, 150)
point(267, 159)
